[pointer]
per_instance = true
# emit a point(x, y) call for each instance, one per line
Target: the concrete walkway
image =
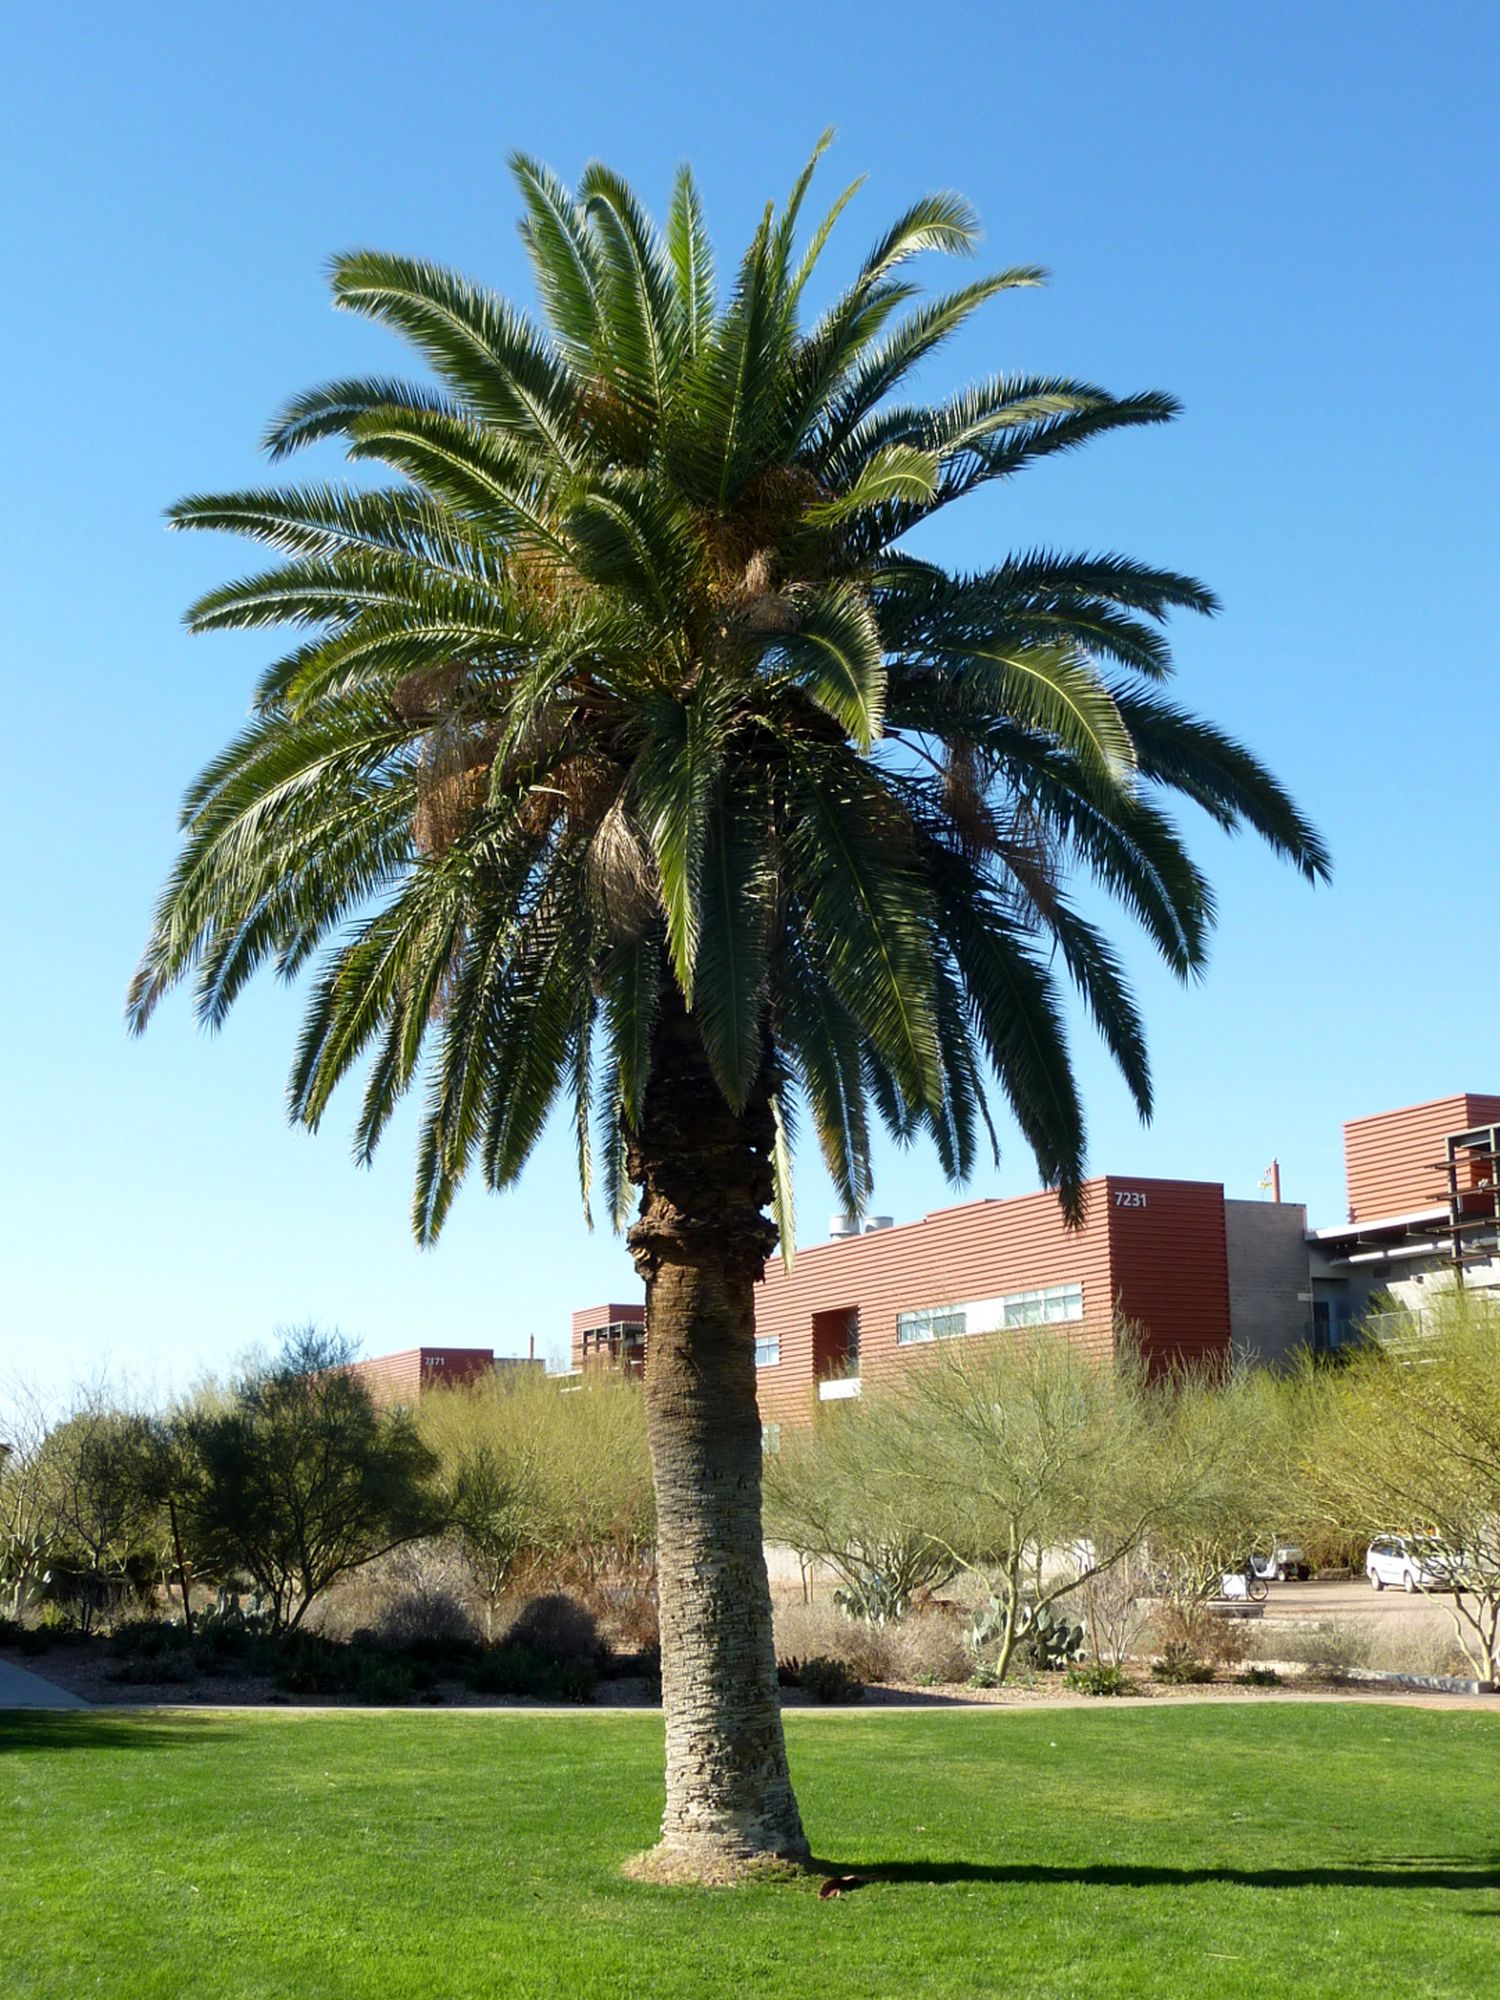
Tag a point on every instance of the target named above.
point(19, 1688)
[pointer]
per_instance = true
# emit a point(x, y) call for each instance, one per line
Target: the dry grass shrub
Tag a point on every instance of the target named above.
point(820, 1631)
point(1222, 1642)
point(1328, 1648)
point(930, 1649)
point(925, 1648)
point(425, 1590)
point(1399, 1642)
point(1404, 1642)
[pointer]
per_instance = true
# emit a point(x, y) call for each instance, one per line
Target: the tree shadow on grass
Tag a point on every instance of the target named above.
point(1417, 1871)
point(91, 1729)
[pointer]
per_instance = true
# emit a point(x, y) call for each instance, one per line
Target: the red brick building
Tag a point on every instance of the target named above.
point(612, 1334)
point(857, 1309)
point(393, 1379)
point(1424, 1212)
point(1164, 1254)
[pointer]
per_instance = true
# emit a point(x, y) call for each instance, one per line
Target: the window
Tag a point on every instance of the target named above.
point(767, 1350)
point(932, 1323)
point(1049, 1306)
point(1046, 1305)
point(770, 1438)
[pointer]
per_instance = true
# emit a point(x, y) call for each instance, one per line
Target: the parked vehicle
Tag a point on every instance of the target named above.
point(1416, 1562)
point(1285, 1562)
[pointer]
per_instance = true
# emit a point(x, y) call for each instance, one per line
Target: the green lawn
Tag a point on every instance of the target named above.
point(1266, 1851)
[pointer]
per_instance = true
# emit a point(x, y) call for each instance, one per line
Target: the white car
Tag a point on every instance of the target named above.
point(1413, 1562)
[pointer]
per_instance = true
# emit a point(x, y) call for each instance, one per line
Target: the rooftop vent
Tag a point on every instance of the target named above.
point(879, 1222)
point(843, 1225)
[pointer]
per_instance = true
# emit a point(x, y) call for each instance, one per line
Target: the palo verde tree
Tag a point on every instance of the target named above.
point(300, 1479)
point(630, 755)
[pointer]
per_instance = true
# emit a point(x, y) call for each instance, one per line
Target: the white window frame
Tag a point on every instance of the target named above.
point(1038, 1305)
point(768, 1350)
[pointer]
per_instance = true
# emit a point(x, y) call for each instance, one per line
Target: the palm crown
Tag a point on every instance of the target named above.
point(628, 684)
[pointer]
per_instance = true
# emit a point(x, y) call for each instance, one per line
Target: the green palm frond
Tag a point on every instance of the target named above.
point(691, 252)
point(623, 696)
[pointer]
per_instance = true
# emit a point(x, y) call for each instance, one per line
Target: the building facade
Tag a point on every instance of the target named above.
point(1165, 1257)
point(397, 1379)
point(1196, 1276)
point(1422, 1213)
point(611, 1335)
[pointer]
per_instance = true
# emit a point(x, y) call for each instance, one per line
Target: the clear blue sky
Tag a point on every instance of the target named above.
point(1285, 214)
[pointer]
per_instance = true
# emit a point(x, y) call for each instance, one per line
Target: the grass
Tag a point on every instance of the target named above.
point(1217, 1851)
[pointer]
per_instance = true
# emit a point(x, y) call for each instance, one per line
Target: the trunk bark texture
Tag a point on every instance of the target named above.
point(701, 1244)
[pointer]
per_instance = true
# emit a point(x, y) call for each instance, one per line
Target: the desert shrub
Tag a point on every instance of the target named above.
point(145, 1638)
point(1098, 1679)
point(169, 1669)
point(314, 1665)
point(516, 1669)
point(576, 1680)
point(1112, 1607)
point(830, 1681)
point(1180, 1666)
point(559, 1629)
point(510, 1669)
point(1258, 1677)
point(421, 1594)
point(626, 1608)
point(426, 1618)
point(1328, 1648)
point(928, 1648)
point(1409, 1642)
point(382, 1682)
point(1193, 1628)
point(807, 1631)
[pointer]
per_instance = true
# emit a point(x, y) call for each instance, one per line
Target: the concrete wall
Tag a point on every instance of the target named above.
point(1270, 1316)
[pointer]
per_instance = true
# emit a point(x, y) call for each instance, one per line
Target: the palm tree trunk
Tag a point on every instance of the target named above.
point(701, 1244)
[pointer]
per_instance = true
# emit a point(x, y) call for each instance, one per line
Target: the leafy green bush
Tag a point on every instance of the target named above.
point(382, 1683)
point(155, 1670)
point(558, 1628)
point(830, 1681)
point(1100, 1680)
point(312, 1665)
point(577, 1680)
point(1258, 1677)
point(519, 1670)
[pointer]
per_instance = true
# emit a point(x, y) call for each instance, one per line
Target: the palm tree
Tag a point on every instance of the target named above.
point(633, 756)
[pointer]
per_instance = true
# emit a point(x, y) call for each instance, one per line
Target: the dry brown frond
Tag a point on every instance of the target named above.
point(621, 874)
point(453, 781)
point(966, 802)
point(428, 694)
point(1031, 855)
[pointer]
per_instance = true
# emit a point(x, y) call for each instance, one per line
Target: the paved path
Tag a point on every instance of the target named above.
point(19, 1688)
